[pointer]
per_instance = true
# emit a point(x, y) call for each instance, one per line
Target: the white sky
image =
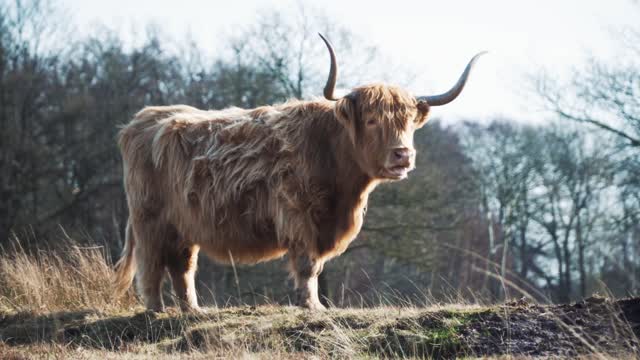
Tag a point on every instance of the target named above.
point(435, 39)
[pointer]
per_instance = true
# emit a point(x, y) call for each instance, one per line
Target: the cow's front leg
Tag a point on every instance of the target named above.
point(305, 273)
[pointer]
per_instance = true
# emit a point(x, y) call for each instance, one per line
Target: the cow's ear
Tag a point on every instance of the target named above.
point(347, 113)
point(423, 114)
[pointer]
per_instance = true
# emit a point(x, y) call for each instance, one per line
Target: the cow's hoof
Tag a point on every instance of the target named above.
point(149, 314)
point(313, 305)
point(156, 310)
point(195, 310)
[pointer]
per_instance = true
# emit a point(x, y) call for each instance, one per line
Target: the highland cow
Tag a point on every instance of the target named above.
point(253, 185)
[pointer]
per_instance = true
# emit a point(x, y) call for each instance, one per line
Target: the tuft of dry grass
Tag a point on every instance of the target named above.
point(67, 279)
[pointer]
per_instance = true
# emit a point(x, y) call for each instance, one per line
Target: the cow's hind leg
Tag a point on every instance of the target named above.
point(305, 271)
point(152, 239)
point(182, 264)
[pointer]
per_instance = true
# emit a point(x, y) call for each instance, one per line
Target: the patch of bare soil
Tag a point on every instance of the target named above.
point(595, 325)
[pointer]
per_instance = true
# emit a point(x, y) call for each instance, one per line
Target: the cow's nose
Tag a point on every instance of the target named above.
point(402, 155)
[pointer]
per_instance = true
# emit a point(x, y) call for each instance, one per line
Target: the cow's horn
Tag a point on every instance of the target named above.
point(333, 72)
point(452, 94)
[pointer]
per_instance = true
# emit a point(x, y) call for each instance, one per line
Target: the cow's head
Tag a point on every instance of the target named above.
point(381, 120)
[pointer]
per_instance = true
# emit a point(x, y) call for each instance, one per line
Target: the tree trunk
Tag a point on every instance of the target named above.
point(8, 210)
point(581, 265)
point(524, 261)
point(566, 290)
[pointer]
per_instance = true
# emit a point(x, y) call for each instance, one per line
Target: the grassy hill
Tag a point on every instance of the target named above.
point(596, 326)
point(60, 305)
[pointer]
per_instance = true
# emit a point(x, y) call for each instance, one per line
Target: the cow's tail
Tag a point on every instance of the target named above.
point(125, 268)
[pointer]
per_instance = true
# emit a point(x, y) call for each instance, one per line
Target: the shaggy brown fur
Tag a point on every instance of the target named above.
point(253, 185)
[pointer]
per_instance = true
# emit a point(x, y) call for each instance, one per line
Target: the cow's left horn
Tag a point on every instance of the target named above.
point(452, 94)
point(330, 87)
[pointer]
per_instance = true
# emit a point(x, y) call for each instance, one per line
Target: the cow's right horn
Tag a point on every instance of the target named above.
point(452, 94)
point(330, 87)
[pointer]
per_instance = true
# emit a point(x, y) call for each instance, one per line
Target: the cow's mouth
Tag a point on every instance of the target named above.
point(397, 172)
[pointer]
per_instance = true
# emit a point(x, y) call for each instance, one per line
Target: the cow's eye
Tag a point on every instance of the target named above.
point(372, 122)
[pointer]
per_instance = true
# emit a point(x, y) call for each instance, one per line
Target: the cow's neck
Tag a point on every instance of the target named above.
point(330, 151)
point(352, 183)
point(339, 169)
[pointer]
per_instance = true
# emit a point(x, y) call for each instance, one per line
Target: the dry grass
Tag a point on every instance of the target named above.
point(266, 331)
point(60, 305)
point(71, 278)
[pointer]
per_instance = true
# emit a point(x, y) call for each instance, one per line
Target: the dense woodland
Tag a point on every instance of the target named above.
point(493, 208)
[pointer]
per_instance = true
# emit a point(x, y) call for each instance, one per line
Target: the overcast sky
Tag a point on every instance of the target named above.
point(434, 39)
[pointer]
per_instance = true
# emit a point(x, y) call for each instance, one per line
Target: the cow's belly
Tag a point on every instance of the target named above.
point(226, 253)
point(241, 241)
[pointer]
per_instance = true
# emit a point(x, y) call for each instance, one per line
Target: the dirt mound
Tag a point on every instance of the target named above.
point(595, 325)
